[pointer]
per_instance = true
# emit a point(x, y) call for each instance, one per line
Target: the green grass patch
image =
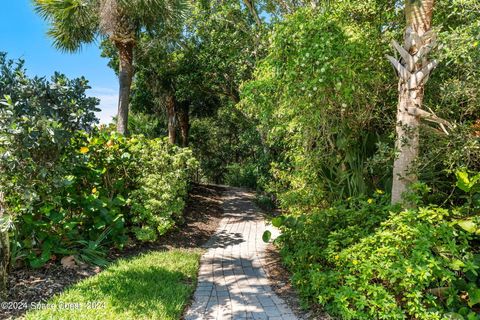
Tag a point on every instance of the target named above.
point(155, 285)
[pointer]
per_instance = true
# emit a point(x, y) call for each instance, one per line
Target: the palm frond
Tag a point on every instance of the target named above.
point(152, 14)
point(72, 22)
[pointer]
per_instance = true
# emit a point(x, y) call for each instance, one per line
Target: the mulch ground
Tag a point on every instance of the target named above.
point(31, 286)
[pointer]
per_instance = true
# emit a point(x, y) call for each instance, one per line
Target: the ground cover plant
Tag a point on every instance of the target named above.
point(415, 264)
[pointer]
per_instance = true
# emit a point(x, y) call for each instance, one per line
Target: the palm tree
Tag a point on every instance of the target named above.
point(413, 70)
point(74, 23)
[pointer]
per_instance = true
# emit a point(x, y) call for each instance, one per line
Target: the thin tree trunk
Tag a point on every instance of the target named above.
point(253, 11)
point(125, 52)
point(413, 74)
point(184, 123)
point(4, 253)
point(171, 113)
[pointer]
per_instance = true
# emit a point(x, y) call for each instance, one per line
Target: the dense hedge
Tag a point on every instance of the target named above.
point(366, 260)
point(72, 188)
point(105, 188)
point(324, 98)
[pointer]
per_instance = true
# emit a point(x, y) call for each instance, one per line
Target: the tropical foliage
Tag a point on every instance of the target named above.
point(366, 259)
point(296, 99)
point(301, 106)
point(74, 23)
point(71, 191)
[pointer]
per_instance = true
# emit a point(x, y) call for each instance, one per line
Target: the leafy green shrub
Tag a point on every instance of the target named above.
point(112, 183)
point(163, 179)
point(38, 121)
point(102, 179)
point(395, 272)
point(72, 188)
point(87, 197)
point(324, 100)
point(313, 100)
point(309, 241)
point(136, 182)
point(370, 261)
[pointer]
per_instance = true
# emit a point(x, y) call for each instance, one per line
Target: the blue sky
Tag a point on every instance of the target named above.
point(23, 35)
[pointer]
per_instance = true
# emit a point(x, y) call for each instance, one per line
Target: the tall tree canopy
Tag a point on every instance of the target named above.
point(76, 22)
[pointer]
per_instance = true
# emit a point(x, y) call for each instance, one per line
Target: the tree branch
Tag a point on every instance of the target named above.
point(417, 112)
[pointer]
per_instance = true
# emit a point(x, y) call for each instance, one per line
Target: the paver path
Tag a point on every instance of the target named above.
point(232, 283)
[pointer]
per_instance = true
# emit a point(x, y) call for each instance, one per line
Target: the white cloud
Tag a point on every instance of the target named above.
point(108, 103)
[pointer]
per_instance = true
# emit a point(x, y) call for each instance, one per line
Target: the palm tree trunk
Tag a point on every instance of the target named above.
point(125, 53)
point(407, 145)
point(413, 71)
point(171, 106)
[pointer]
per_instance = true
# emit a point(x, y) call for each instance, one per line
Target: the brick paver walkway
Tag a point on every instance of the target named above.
point(232, 283)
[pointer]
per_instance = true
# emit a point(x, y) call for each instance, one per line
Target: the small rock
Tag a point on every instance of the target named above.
point(68, 262)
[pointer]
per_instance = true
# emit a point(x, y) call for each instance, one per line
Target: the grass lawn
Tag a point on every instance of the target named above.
point(156, 285)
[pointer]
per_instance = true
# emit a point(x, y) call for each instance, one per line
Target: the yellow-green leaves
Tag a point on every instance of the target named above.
point(465, 181)
point(470, 225)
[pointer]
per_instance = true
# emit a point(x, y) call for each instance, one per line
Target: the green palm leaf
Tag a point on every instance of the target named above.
point(72, 22)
